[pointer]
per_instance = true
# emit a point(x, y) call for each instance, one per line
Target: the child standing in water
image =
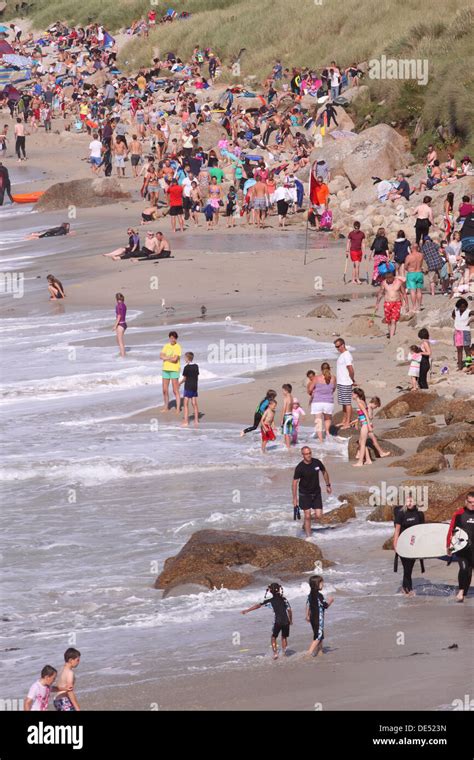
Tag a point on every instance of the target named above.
point(66, 682)
point(266, 425)
point(190, 380)
point(283, 616)
point(316, 606)
point(287, 414)
point(120, 323)
point(414, 368)
point(297, 412)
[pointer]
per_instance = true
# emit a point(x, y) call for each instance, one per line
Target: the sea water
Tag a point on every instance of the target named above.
point(95, 498)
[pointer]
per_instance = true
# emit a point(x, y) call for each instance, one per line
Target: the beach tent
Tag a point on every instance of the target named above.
point(6, 48)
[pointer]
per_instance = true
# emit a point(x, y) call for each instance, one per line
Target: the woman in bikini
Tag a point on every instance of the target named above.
point(55, 288)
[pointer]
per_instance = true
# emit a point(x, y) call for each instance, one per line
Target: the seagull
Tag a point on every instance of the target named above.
point(166, 308)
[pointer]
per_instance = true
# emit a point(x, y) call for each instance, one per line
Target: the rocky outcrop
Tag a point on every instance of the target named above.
point(414, 427)
point(378, 151)
point(459, 410)
point(415, 401)
point(454, 439)
point(339, 515)
point(423, 463)
point(463, 461)
point(231, 559)
point(82, 193)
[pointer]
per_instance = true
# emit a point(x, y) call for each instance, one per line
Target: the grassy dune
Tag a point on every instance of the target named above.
point(312, 34)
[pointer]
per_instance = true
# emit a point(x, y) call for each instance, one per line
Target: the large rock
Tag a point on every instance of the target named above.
point(339, 515)
point(378, 151)
point(463, 461)
point(454, 439)
point(82, 193)
point(414, 427)
point(459, 410)
point(416, 401)
point(212, 558)
point(438, 499)
point(394, 450)
point(365, 193)
point(323, 310)
point(423, 463)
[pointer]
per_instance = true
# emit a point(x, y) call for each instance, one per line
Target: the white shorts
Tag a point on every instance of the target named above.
point(321, 407)
point(120, 162)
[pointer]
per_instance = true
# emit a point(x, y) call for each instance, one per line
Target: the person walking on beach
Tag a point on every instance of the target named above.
point(287, 414)
point(283, 616)
point(464, 518)
point(316, 605)
point(321, 389)
point(66, 683)
point(462, 329)
point(414, 277)
point(355, 249)
point(20, 141)
point(270, 396)
point(426, 354)
point(393, 290)
point(190, 380)
point(424, 218)
point(5, 184)
point(171, 355)
point(306, 489)
point(175, 193)
point(345, 379)
point(40, 692)
point(267, 429)
point(406, 517)
point(120, 322)
point(363, 456)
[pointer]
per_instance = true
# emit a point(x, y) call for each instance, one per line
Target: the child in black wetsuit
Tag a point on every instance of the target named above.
point(315, 608)
point(283, 616)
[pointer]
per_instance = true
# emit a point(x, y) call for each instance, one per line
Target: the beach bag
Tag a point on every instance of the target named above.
point(326, 220)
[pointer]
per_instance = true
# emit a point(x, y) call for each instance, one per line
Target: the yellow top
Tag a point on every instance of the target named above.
point(171, 350)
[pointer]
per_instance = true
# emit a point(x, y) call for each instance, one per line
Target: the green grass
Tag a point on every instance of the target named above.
point(304, 33)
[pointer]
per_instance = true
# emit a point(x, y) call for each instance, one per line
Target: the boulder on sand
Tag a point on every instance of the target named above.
point(416, 401)
point(394, 450)
point(459, 410)
point(378, 151)
point(414, 427)
point(453, 439)
point(214, 558)
point(423, 463)
point(339, 515)
point(463, 461)
point(365, 327)
point(82, 193)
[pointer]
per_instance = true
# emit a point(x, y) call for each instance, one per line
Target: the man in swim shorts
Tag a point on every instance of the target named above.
point(414, 277)
point(306, 489)
point(393, 289)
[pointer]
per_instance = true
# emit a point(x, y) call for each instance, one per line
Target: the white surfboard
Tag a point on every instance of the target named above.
point(424, 541)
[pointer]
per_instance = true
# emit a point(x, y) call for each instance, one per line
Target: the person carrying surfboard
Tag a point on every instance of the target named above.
point(463, 518)
point(406, 517)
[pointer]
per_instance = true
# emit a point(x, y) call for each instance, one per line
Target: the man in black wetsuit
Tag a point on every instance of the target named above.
point(464, 518)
